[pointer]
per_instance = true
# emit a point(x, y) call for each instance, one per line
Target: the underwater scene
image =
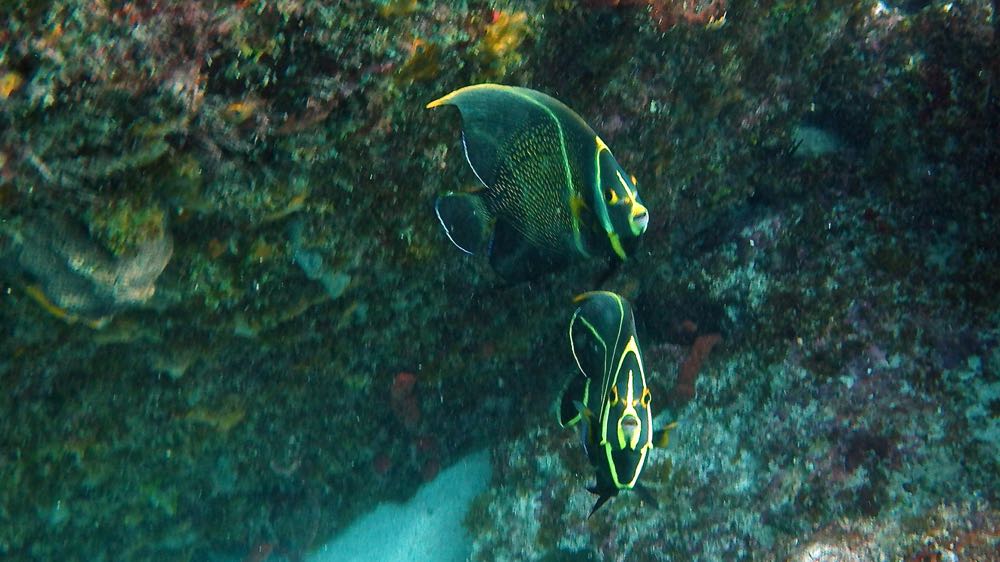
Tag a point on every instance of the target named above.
point(499, 280)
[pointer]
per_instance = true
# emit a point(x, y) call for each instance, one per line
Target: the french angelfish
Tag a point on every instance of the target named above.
point(551, 190)
point(609, 395)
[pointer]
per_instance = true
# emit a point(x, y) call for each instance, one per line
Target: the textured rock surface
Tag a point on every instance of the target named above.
point(218, 257)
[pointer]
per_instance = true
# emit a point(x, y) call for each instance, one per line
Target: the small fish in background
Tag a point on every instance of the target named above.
point(609, 395)
point(551, 192)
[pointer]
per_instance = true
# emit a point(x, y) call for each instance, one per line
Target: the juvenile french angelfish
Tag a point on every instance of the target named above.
point(551, 190)
point(609, 394)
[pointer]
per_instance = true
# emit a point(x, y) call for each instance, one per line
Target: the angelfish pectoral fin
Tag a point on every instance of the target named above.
point(571, 409)
point(465, 219)
point(584, 411)
point(661, 438)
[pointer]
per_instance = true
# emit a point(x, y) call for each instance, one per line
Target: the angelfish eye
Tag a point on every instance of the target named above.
point(614, 395)
point(644, 399)
point(612, 196)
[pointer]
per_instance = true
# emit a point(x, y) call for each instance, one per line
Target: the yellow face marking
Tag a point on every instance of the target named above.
point(624, 183)
point(637, 209)
point(632, 401)
point(631, 347)
point(631, 194)
point(637, 229)
point(629, 413)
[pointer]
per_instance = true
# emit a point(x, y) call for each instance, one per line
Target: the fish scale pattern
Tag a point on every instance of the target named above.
point(531, 190)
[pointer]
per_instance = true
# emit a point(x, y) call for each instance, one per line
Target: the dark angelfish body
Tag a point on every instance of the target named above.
point(609, 394)
point(551, 190)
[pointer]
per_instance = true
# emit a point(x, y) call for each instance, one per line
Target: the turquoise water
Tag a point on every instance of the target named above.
point(235, 329)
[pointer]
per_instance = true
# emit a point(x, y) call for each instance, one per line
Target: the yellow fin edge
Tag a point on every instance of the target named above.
point(583, 296)
point(446, 99)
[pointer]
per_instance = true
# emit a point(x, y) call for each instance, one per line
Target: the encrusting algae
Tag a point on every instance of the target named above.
point(10, 82)
point(504, 35)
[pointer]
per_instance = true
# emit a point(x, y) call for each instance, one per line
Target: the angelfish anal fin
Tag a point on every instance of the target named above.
point(465, 219)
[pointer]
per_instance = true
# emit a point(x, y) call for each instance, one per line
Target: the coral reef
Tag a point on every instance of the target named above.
point(77, 279)
point(233, 325)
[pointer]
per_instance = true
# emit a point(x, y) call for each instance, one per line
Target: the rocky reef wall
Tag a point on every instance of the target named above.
point(231, 318)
